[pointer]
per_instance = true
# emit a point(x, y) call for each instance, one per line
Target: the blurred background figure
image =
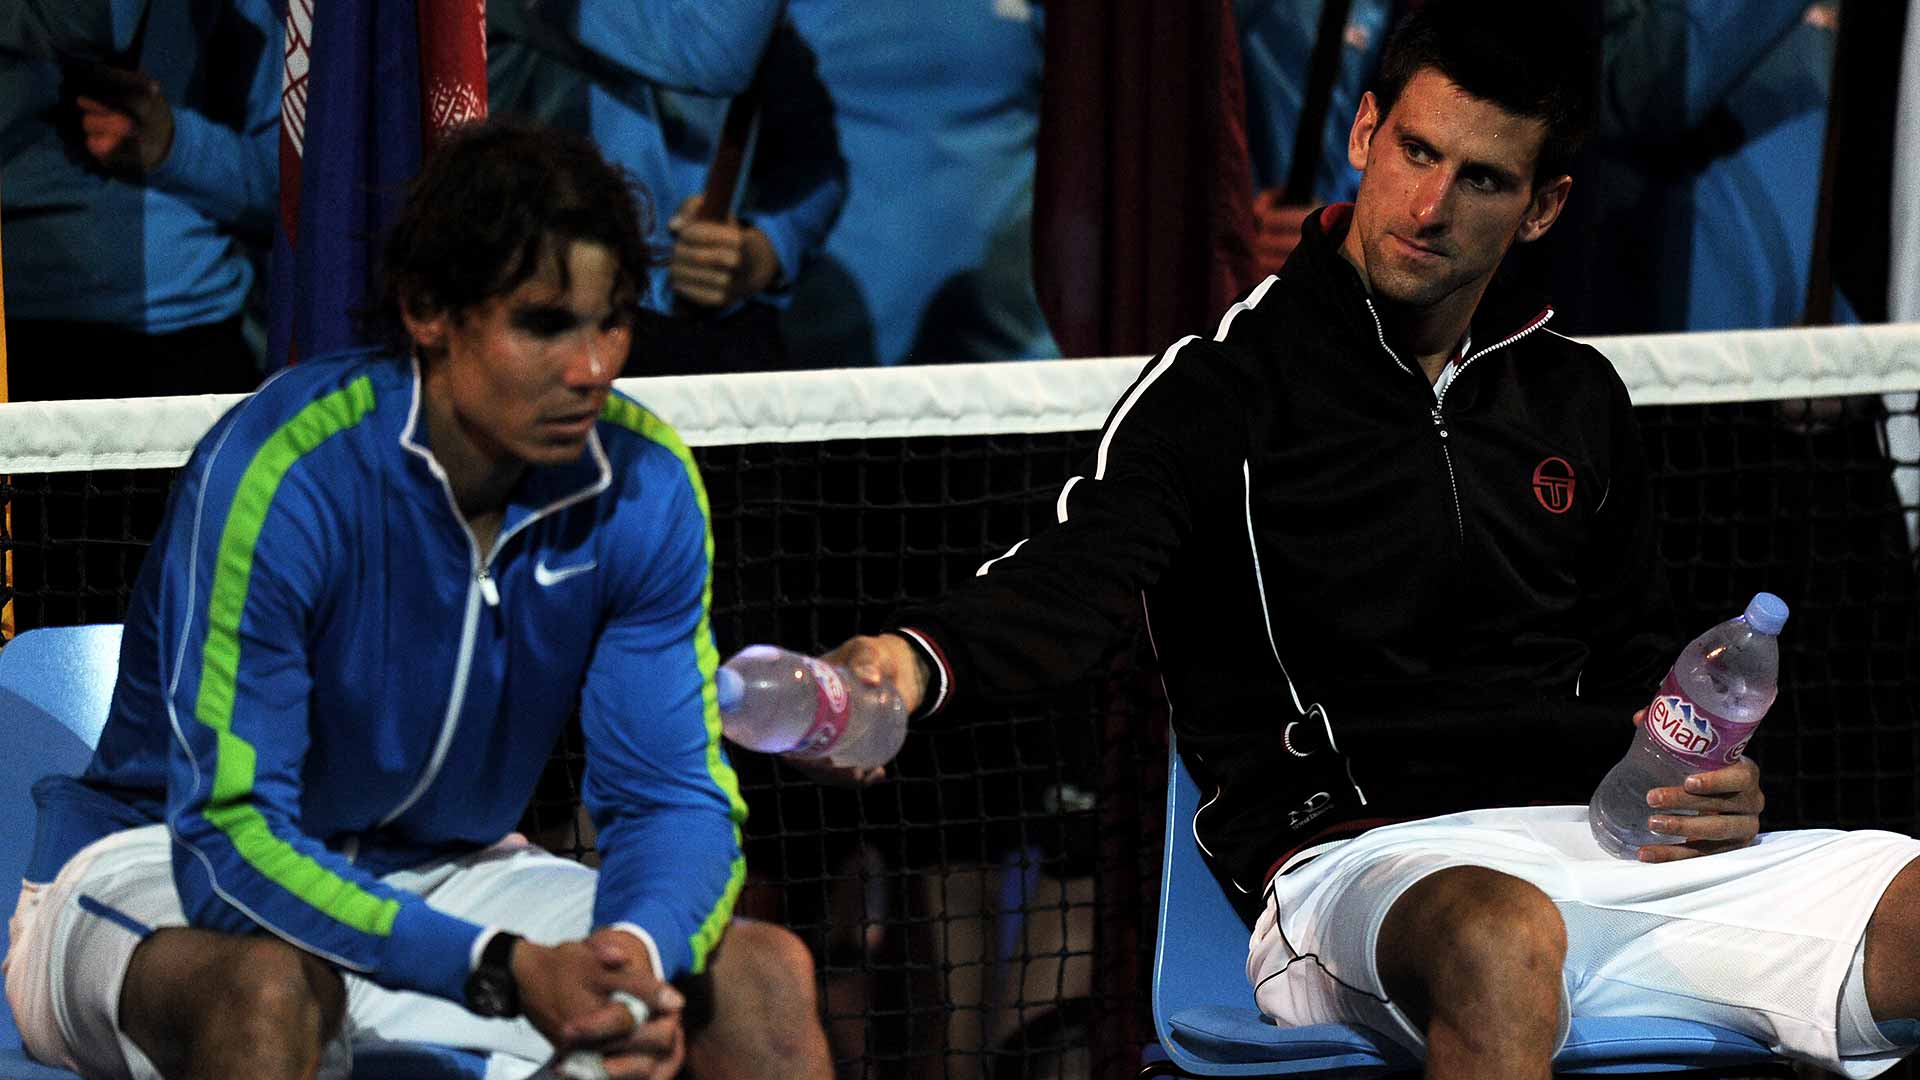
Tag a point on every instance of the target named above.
point(137, 141)
point(1704, 178)
point(137, 187)
point(652, 84)
point(1303, 61)
point(936, 108)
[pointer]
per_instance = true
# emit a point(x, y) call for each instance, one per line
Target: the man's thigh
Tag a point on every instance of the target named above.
point(73, 940)
point(1313, 955)
point(1759, 940)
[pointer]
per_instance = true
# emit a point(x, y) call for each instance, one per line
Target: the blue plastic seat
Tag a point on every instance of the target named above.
point(55, 687)
point(1208, 1025)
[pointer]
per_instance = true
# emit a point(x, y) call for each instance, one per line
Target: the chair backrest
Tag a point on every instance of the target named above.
point(1209, 950)
point(55, 686)
point(1204, 1013)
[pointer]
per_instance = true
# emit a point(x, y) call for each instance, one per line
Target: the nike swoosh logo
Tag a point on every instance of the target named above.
point(545, 576)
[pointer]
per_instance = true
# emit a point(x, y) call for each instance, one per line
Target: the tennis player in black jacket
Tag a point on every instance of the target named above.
point(1392, 541)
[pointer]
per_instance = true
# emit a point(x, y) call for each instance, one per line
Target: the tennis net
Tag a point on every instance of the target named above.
point(988, 910)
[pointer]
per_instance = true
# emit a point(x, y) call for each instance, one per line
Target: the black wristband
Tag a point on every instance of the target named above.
point(491, 989)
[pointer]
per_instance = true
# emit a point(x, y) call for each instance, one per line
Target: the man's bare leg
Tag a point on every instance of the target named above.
point(206, 1005)
point(766, 1016)
point(1893, 949)
point(1474, 957)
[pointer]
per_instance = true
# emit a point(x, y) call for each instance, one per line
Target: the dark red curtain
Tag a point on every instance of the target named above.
point(1142, 203)
point(1142, 229)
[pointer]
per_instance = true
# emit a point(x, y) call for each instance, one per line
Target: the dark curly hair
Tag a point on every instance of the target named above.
point(477, 218)
point(1532, 58)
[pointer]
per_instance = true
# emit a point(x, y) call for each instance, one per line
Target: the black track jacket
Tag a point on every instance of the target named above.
point(1367, 604)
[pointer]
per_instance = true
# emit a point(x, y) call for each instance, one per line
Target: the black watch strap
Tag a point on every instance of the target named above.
point(491, 989)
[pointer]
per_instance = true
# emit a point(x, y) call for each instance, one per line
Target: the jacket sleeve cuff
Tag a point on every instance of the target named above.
point(191, 144)
point(941, 690)
point(787, 247)
point(652, 923)
point(429, 951)
point(653, 947)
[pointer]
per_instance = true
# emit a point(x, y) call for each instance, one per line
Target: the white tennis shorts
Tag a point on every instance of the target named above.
point(1758, 940)
point(73, 939)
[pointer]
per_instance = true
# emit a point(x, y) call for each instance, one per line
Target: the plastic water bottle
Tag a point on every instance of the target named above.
point(1700, 720)
point(782, 702)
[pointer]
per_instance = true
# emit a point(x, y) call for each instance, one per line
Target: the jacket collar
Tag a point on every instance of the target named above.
point(1318, 268)
point(542, 489)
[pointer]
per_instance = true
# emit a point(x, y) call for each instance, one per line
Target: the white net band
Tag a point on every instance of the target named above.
point(989, 399)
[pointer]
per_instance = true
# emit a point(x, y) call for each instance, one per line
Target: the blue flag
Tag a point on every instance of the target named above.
point(351, 133)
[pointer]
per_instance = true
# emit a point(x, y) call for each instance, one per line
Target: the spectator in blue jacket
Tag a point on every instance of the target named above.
point(1706, 166)
point(651, 83)
point(139, 144)
point(1277, 39)
point(936, 109)
point(138, 147)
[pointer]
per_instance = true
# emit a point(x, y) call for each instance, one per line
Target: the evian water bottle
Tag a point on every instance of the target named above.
point(1699, 721)
point(782, 702)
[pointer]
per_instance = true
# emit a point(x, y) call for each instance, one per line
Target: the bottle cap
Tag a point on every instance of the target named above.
point(1767, 613)
point(729, 688)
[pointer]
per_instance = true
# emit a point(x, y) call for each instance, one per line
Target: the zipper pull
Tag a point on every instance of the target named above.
point(1439, 421)
point(488, 590)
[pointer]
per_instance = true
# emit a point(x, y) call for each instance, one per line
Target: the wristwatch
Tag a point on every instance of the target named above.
point(491, 991)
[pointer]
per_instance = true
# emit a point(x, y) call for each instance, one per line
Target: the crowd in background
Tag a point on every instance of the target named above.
point(885, 211)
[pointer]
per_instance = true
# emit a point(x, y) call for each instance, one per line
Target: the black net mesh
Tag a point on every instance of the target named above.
point(988, 910)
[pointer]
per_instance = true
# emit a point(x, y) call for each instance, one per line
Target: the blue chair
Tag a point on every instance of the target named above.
point(1208, 1025)
point(55, 687)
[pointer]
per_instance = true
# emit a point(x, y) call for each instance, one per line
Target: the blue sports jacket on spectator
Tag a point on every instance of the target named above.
point(650, 83)
point(936, 107)
point(1276, 52)
point(1712, 125)
point(154, 256)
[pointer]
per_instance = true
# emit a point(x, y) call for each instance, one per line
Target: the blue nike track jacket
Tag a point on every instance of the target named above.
point(323, 680)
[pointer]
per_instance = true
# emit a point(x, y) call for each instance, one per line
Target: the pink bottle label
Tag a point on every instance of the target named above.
point(829, 716)
point(1691, 733)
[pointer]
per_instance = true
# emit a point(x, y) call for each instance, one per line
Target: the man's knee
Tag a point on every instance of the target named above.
point(767, 1014)
point(1893, 949)
point(767, 961)
point(1468, 934)
point(278, 987)
point(194, 994)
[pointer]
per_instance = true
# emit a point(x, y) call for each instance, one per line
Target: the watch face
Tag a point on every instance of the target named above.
point(488, 994)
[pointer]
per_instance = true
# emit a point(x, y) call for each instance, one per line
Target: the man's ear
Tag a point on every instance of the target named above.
point(427, 327)
point(1365, 119)
point(1548, 200)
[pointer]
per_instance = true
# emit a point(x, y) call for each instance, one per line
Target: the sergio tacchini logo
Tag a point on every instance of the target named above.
point(1553, 484)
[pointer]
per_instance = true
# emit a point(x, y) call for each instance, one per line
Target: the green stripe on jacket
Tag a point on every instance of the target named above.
point(637, 419)
point(230, 806)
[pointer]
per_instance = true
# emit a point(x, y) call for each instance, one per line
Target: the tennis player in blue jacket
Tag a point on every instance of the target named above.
point(383, 584)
